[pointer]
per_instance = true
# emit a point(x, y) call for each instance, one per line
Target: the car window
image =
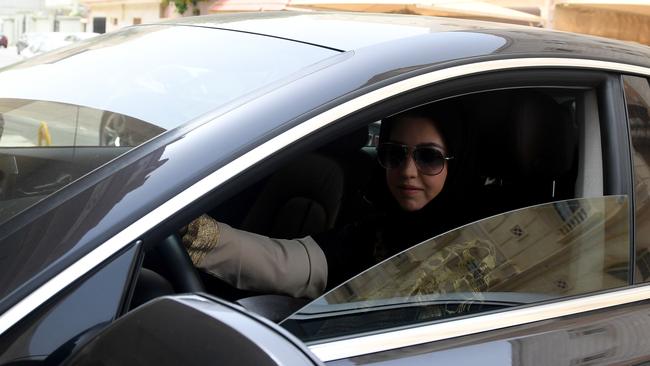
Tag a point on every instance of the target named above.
point(534, 254)
point(637, 97)
point(540, 226)
point(524, 176)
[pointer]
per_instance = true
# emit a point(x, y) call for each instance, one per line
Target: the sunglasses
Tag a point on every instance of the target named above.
point(428, 159)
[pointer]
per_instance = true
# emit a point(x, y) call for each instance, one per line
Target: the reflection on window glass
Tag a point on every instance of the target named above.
point(520, 257)
point(637, 97)
point(31, 123)
point(44, 146)
point(206, 68)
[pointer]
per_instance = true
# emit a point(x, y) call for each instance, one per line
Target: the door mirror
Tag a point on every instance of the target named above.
point(192, 330)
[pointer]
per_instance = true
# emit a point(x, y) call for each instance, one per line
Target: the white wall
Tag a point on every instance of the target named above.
point(70, 24)
point(9, 30)
point(11, 7)
point(42, 24)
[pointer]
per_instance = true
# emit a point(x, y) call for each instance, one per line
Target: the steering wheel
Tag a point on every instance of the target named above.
point(176, 266)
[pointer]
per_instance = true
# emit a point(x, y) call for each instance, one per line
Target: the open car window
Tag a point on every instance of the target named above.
point(534, 254)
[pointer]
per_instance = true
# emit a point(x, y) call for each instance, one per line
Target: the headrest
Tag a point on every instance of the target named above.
point(542, 136)
point(299, 199)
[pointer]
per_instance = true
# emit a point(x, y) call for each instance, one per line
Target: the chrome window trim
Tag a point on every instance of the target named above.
point(215, 179)
point(346, 348)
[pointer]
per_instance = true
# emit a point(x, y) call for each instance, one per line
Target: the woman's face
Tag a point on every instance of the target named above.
point(412, 189)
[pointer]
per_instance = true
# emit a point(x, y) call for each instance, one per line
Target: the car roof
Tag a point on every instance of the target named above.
point(342, 31)
point(347, 31)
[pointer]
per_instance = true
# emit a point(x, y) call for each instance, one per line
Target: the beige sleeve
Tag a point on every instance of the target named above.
point(248, 261)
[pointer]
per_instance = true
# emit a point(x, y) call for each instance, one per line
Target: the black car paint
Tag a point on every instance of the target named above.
point(52, 332)
point(53, 234)
point(612, 336)
point(212, 331)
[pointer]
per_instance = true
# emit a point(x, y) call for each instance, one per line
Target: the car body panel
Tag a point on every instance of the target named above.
point(604, 337)
point(194, 323)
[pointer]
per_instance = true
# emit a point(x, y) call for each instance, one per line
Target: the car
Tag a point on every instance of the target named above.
point(25, 39)
point(4, 42)
point(109, 148)
point(30, 44)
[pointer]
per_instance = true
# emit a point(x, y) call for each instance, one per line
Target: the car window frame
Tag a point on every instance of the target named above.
point(633, 173)
point(617, 179)
point(180, 204)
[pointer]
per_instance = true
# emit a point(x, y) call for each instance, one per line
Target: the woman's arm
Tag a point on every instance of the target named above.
point(248, 261)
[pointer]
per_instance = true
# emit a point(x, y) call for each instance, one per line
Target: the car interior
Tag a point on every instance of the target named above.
point(518, 147)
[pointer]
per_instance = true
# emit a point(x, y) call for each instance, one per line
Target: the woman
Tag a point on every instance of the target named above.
point(415, 154)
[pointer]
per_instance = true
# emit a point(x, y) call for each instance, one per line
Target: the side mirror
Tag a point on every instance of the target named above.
point(192, 330)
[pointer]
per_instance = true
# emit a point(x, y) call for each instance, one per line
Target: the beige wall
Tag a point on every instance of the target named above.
point(120, 15)
point(618, 21)
point(605, 23)
point(516, 3)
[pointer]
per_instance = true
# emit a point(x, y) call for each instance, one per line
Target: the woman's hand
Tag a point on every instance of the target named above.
point(200, 237)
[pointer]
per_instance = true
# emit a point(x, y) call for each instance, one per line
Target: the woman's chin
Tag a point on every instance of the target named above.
point(410, 205)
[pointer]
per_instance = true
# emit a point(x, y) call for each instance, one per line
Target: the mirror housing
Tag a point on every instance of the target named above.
point(192, 330)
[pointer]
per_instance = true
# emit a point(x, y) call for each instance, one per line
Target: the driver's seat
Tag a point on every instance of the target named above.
point(303, 198)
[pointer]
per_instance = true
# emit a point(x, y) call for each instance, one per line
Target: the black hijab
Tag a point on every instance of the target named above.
point(401, 229)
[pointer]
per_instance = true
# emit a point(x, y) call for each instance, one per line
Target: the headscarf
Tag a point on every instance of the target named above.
point(392, 229)
point(401, 229)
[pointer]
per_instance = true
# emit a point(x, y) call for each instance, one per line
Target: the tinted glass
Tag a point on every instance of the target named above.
point(71, 316)
point(637, 96)
point(165, 75)
point(60, 111)
point(534, 254)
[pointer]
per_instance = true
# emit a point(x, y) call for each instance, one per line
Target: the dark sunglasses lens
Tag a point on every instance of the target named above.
point(391, 156)
point(429, 160)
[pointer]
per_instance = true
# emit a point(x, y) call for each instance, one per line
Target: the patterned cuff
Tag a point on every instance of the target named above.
point(201, 237)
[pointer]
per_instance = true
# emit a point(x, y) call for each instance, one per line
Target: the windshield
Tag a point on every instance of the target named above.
point(164, 75)
point(65, 113)
point(524, 256)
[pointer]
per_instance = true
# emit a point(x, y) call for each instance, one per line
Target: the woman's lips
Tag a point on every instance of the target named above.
point(409, 190)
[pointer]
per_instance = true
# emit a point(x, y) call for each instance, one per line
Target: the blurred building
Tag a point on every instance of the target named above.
point(108, 15)
point(627, 20)
point(620, 19)
point(18, 17)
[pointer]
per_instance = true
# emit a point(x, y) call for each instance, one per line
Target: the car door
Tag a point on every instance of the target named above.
point(548, 284)
point(558, 249)
point(159, 208)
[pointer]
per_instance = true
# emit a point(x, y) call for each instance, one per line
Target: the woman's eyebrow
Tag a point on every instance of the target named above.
point(424, 144)
point(431, 144)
